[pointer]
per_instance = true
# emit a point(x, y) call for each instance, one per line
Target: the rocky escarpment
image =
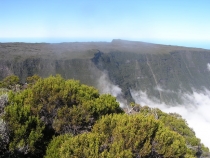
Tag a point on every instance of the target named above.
point(164, 76)
point(163, 72)
point(68, 59)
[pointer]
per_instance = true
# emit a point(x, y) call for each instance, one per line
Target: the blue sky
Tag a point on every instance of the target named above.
point(176, 22)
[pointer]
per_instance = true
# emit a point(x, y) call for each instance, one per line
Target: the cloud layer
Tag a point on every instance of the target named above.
point(195, 109)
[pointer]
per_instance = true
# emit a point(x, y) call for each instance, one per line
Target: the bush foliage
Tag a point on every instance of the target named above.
point(54, 117)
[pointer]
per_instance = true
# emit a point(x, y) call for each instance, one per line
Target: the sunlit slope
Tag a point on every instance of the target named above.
point(161, 70)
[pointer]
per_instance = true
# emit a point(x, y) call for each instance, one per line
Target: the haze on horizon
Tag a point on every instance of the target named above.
point(184, 23)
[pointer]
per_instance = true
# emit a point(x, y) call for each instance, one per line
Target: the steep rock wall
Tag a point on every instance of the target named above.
point(163, 72)
point(160, 75)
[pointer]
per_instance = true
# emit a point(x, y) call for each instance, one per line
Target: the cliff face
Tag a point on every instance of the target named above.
point(161, 71)
point(162, 75)
point(71, 60)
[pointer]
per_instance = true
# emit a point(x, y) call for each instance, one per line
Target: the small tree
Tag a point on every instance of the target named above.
point(53, 106)
point(10, 82)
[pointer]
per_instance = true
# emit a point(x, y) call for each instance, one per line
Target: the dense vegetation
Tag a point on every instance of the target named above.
point(54, 117)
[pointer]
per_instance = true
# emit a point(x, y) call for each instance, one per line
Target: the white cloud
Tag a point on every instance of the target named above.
point(195, 110)
point(208, 66)
point(105, 86)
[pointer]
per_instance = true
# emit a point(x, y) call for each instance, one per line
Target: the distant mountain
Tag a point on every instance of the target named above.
point(162, 71)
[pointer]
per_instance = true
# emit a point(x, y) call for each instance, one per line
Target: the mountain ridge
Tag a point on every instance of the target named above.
point(132, 65)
